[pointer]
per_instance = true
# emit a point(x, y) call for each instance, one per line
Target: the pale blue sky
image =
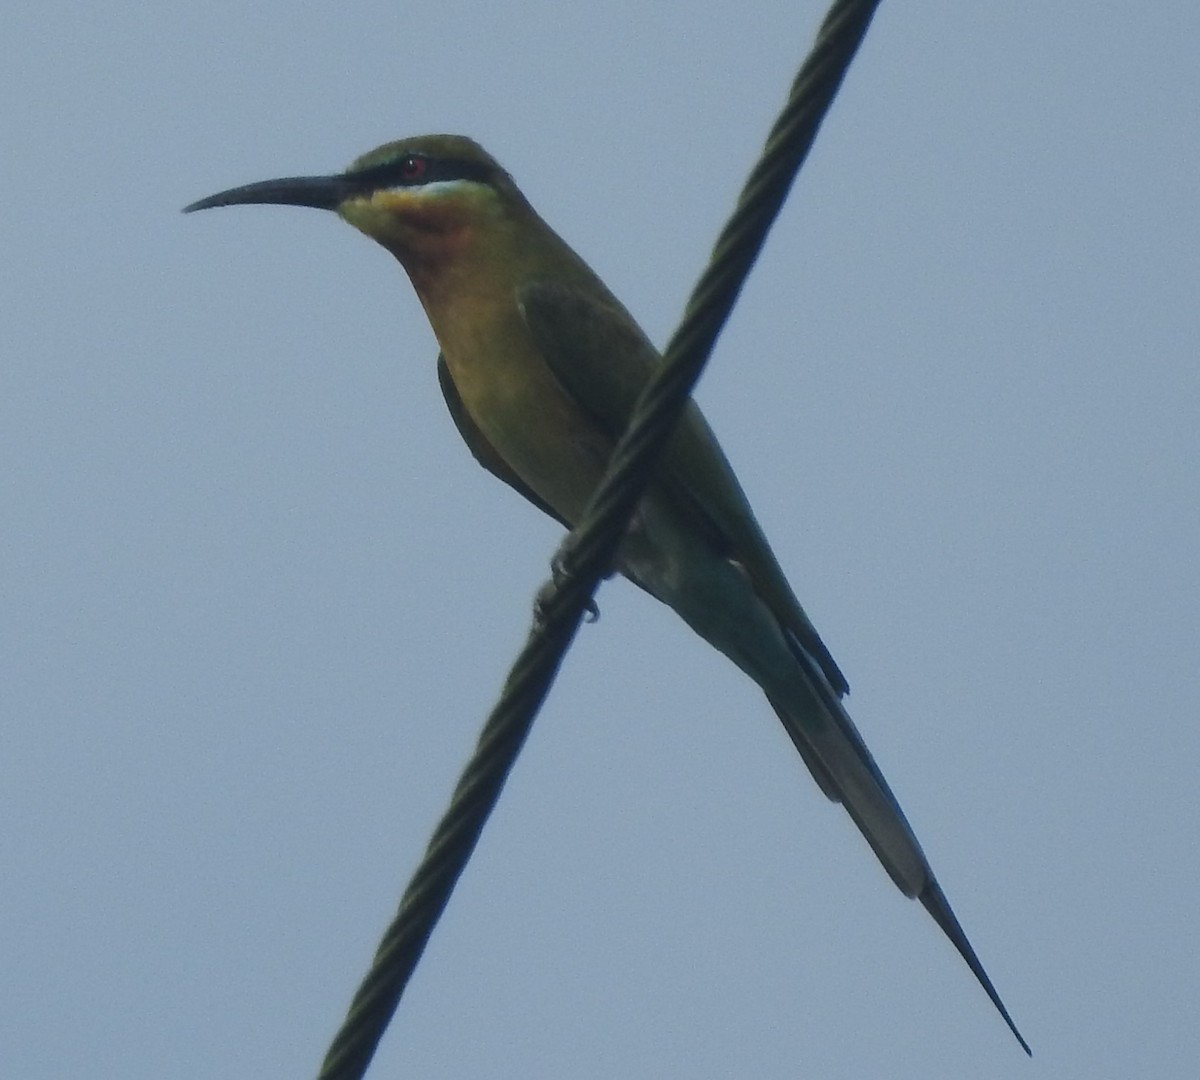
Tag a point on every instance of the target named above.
point(257, 598)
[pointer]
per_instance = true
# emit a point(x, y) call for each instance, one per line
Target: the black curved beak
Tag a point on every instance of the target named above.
point(319, 192)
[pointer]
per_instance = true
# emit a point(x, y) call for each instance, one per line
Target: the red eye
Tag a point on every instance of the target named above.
point(413, 168)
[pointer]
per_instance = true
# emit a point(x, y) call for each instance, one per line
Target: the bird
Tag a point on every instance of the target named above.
point(540, 365)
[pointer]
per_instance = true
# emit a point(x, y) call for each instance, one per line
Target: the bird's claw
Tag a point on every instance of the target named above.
point(560, 572)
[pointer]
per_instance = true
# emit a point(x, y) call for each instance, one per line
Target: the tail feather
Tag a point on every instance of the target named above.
point(842, 765)
point(847, 774)
point(938, 906)
point(713, 593)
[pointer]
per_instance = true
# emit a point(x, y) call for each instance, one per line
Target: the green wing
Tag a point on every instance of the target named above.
point(602, 360)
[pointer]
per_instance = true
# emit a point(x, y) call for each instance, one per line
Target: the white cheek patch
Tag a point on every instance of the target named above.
point(435, 188)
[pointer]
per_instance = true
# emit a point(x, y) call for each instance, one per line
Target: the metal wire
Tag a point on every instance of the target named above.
point(591, 549)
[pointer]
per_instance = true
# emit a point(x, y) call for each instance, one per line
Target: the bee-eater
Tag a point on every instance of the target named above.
point(540, 366)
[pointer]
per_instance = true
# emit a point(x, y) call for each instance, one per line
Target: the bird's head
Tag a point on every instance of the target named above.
point(425, 199)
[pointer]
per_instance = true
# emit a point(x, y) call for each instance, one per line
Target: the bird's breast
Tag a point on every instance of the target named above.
point(519, 406)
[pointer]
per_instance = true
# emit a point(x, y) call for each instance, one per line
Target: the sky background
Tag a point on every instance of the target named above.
point(256, 598)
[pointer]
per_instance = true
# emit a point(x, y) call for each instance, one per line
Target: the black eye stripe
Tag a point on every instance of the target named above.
point(402, 173)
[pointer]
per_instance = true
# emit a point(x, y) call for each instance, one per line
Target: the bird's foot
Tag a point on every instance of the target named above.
point(560, 572)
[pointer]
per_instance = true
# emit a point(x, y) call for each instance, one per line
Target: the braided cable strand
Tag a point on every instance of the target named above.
point(592, 547)
point(594, 542)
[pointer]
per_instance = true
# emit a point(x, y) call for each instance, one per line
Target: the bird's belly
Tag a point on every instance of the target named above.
point(555, 448)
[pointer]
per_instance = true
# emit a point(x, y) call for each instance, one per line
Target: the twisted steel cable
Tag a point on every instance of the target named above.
point(590, 551)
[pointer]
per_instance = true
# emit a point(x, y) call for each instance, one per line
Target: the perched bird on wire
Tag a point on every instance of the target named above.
point(540, 366)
